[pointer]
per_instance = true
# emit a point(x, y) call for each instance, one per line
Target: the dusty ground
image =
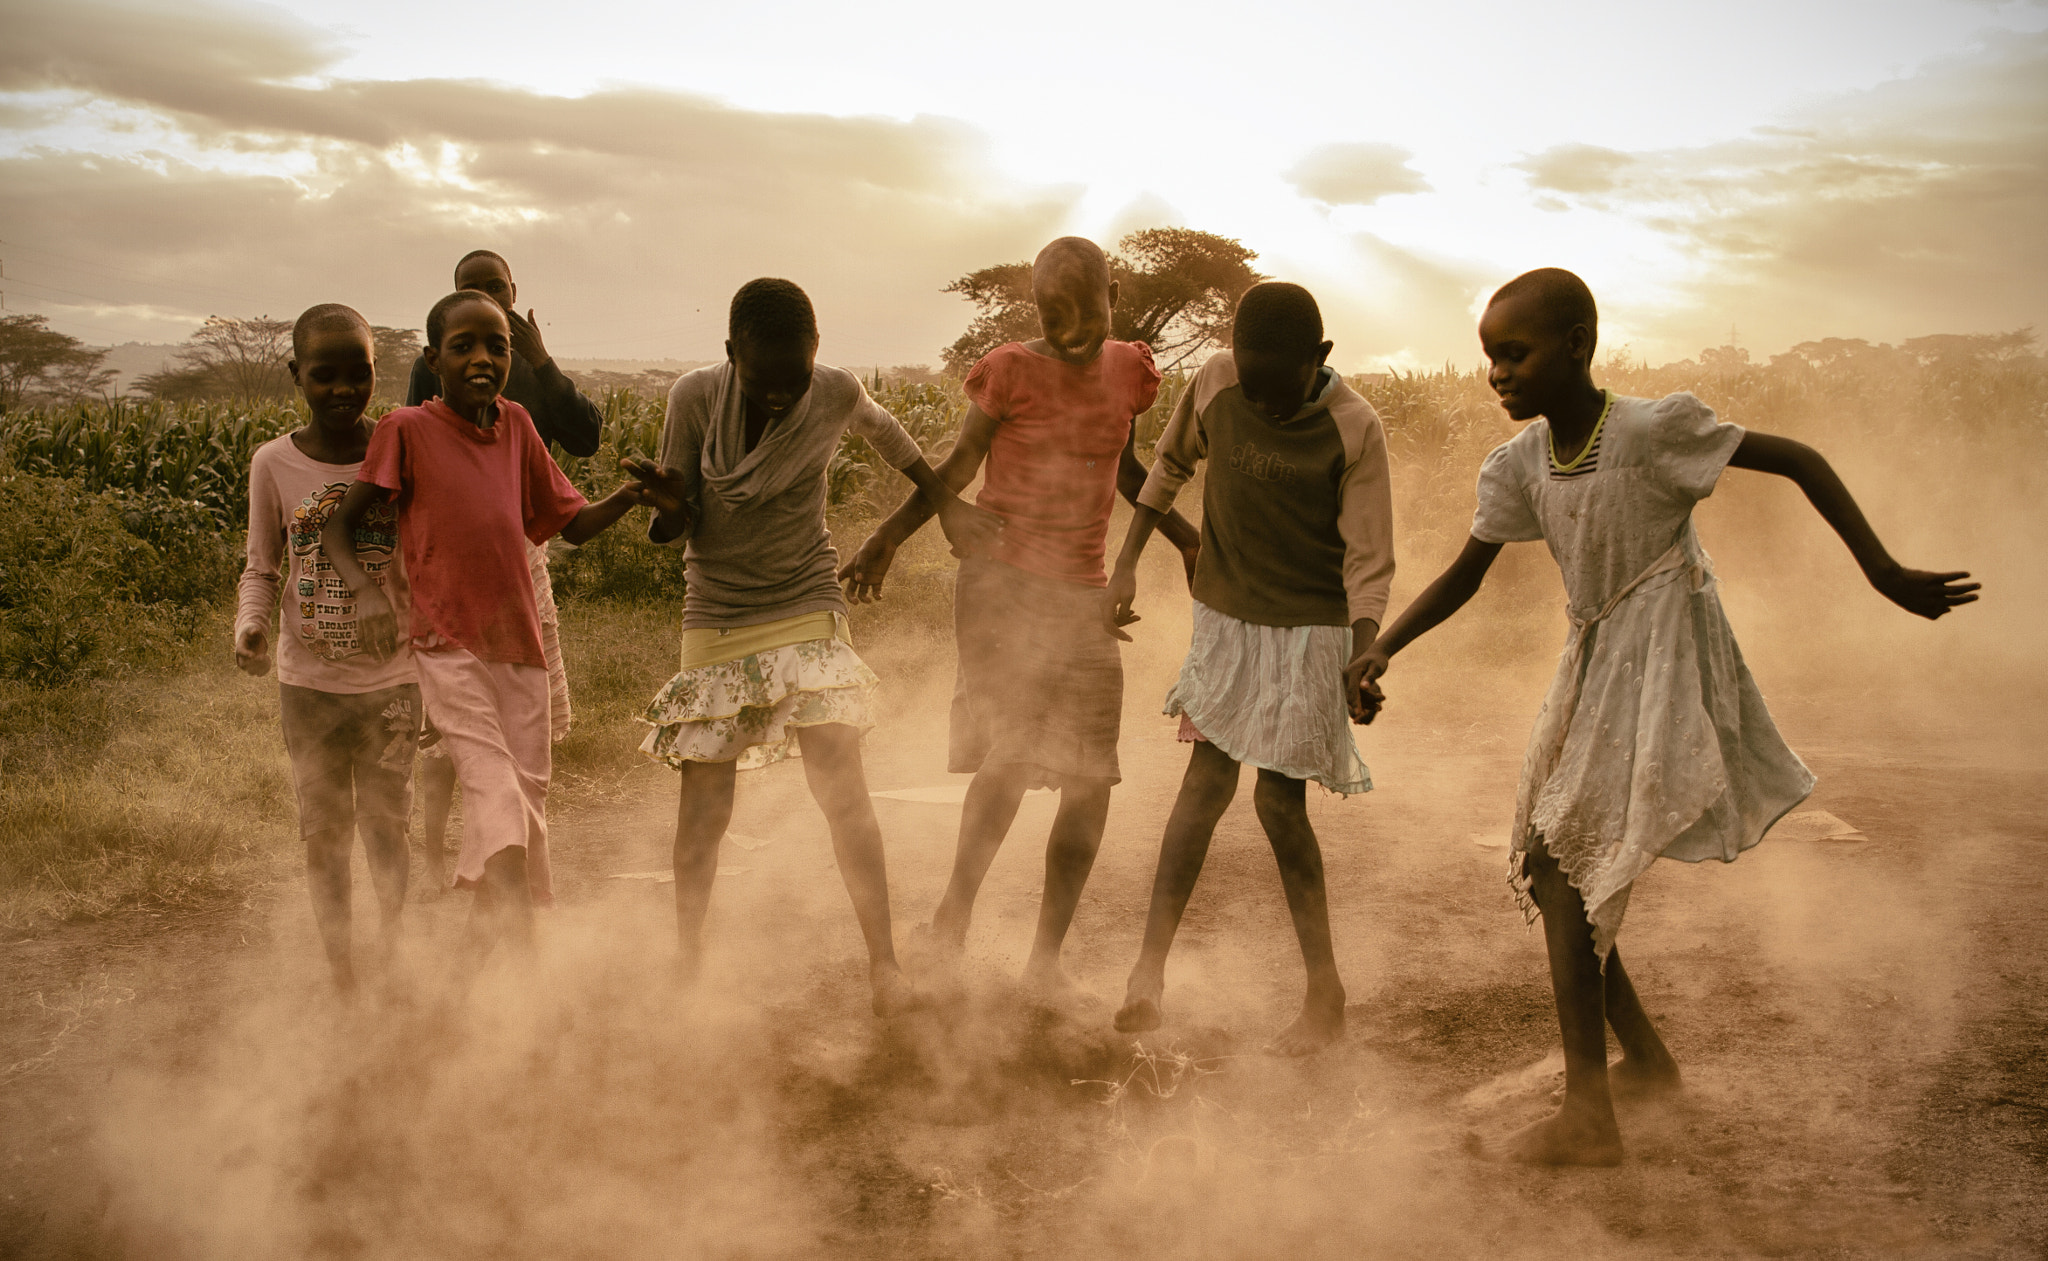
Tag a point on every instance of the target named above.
point(1862, 1025)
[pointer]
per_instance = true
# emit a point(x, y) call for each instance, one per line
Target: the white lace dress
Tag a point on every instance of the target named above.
point(1653, 741)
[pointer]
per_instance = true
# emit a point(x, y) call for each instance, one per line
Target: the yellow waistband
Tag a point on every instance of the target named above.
point(711, 645)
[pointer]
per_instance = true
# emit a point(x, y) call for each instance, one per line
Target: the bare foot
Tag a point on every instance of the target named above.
point(894, 995)
point(1634, 1078)
point(1320, 1023)
point(689, 961)
point(1050, 986)
point(1574, 1135)
point(1143, 997)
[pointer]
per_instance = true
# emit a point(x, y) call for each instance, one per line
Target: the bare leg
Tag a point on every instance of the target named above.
point(985, 818)
point(327, 878)
point(384, 843)
point(1647, 1068)
point(1583, 1131)
point(1205, 793)
point(437, 800)
point(839, 784)
point(1069, 857)
point(702, 815)
point(1283, 812)
point(504, 907)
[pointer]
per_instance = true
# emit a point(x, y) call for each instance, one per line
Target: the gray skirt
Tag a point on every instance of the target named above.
point(1040, 682)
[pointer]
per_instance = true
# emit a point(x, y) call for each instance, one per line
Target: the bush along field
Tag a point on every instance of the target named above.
point(137, 767)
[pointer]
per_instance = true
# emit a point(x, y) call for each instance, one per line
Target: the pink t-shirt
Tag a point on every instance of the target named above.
point(468, 499)
point(1060, 434)
point(291, 495)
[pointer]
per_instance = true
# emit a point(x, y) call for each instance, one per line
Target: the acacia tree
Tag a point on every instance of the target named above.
point(242, 359)
point(1177, 290)
point(38, 365)
point(396, 350)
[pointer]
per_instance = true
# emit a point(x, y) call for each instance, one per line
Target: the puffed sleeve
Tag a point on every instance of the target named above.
point(1144, 380)
point(1505, 514)
point(987, 384)
point(1689, 446)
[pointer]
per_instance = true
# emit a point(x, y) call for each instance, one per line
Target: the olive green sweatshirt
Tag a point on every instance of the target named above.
point(1297, 518)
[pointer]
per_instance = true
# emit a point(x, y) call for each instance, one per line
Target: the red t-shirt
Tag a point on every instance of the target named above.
point(1060, 434)
point(467, 500)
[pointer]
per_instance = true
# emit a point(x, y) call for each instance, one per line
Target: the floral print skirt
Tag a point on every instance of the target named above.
point(748, 710)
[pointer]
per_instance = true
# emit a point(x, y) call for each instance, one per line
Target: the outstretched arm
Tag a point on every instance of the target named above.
point(863, 574)
point(1179, 531)
point(1452, 588)
point(1917, 591)
point(376, 626)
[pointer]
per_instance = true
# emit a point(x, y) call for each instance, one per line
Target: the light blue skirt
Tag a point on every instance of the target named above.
point(1271, 697)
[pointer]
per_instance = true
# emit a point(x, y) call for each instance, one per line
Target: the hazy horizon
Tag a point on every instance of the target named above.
point(1755, 175)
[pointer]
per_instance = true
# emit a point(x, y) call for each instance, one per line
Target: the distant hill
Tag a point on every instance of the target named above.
point(633, 367)
point(136, 359)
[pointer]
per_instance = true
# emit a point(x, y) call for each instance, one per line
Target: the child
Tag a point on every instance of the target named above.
point(1038, 698)
point(351, 720)
point(473, 485)
point(768, 668)
point(561, 414)
point(1653, 740)
point(1296, 556)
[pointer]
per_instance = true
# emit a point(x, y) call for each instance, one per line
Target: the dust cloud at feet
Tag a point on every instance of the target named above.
point(1857, 1022)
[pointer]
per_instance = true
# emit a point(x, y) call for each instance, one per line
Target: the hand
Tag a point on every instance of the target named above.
point(252, 651)
point(972, 531)
point(376, 627)
point(1117, 599)
point(1930, 595)
point(526, 342)
point(658, 488)
point(1361, 685)
point(1188, 556)
point(863, 574)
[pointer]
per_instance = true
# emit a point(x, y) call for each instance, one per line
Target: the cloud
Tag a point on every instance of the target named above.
point(1912, 208)
point(1575, 168)
point(1356, 174)
point(630, 214)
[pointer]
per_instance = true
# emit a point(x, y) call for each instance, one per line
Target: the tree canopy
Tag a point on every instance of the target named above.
point(1177, 289)
point(38, 365)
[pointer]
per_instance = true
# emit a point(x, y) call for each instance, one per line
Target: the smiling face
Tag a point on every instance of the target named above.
point(1073, 312)
point(774, 373)
point(473, 357)
point(1277, 382)
point(1537, 362)
point(488, 275)
point(337, 372)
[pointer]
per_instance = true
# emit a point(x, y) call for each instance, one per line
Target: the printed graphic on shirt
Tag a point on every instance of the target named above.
point(1246, 458)
point(327, 609)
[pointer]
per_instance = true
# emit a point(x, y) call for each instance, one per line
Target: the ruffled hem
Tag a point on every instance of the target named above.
point(749, 710)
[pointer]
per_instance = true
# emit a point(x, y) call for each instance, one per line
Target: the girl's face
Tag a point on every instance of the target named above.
point(1276, 383)
point(773, 375)
point(1536, 364)
point(1073, 316)
point(337, 374)
point(474, 357)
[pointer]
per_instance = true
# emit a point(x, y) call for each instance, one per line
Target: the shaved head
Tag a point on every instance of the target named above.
point(328, 317)
point(1563, 297)
point(1070, 260)
point(1276, 316)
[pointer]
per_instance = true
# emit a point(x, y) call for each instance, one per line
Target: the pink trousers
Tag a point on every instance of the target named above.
point(493, 720)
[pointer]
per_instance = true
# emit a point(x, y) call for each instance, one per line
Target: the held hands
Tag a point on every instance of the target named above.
point(658, 488)
point(252, 651)
point(1930, 595)
point(1117, 599)
point(1362, 693)
point(526, 342)
point(863, 574)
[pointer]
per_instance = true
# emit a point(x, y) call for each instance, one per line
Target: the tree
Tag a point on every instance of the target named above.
point(41, 366)
point(1177, 291)
point(396, 350)
point(242, 359)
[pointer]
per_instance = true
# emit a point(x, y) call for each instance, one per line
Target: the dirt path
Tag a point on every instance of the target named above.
point(1862, 1025)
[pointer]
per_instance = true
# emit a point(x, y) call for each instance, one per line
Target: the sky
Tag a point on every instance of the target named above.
point(1746, 172)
